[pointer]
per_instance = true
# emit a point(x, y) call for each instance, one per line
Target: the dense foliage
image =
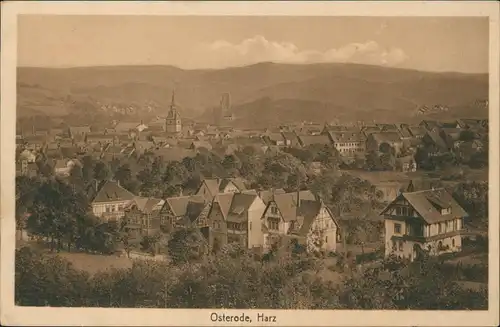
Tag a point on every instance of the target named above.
point(236, 278)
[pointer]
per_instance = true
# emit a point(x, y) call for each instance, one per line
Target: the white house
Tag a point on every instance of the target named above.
point(429, 220)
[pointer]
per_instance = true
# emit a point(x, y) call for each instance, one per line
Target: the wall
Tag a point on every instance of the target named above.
point(389, 232)
point(325, 223)
point(255, 212)
point(230, 188)
point(100, 208)
point(218, 228)
point(282, 226)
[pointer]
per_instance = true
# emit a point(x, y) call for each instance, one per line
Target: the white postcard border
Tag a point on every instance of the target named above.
point(12, 315)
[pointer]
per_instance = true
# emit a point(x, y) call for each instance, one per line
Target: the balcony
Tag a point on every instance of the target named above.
point(236, 231)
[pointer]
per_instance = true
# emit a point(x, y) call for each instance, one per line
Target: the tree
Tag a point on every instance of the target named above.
point(386, 148)
point(186, 245)
point(372, 161)
point(26, 189)
point(87, 168)
point(48, 281)
point(123, 174)
point(387, 161)
point(57, 211)
point(101, 171)
point(467, 136)
point(149, 243)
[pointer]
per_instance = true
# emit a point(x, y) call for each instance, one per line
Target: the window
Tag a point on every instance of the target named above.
point(455, 225)
point(400, 245)
point(445, 211)
point(440, 228)
point(397, 228)
point(273, 224)
point(274, 210)
point(394, 246)
point(326, 239)
point(453, 242)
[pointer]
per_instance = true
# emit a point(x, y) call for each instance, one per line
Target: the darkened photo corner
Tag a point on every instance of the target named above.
point(252, 162)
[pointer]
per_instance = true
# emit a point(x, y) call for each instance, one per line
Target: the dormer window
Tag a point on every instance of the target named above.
point(445, 211)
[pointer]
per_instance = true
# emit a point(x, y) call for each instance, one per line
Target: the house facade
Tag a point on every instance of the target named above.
point(109, 200)
point(236, 218)
point(299, 215)
point(348, 143)
point(429, 220)
point(142, 215)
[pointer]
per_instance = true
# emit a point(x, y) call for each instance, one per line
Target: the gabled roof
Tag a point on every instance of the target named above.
point(110, 191)
point(427, 204)
point(126, 126)
point(147, 205)
point(405, 132)
point(240, 204)
point(287, 203)
point(388, 127)
point(386, 137)
point(417, 130)
point(308, 211)
point(224, 202)
point(437, 140)
point(306, 140)
point(179, 205)
point(267, 195)
point(216, 185)
point(346, 136)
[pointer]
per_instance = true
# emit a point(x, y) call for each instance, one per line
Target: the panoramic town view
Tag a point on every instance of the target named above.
point(246, 166)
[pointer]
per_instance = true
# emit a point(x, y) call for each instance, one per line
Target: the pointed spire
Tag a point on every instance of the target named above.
point(172, 103)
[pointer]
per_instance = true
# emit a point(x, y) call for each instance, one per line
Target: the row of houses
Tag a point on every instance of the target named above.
point(227, 212)
point(125, 140)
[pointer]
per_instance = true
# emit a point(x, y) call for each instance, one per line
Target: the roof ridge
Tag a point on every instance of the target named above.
point(426, 190)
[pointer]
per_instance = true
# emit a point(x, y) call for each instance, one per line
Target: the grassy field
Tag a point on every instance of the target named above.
point(376, 177)
point(93, 263)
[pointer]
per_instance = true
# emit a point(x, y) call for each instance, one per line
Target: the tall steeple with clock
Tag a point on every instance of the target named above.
point(173, 124)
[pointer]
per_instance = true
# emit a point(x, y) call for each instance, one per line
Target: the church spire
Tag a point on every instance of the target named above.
point(172, 103)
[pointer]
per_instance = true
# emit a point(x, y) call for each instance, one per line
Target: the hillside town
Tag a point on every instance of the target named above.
point(164, 189)
point(227, 208)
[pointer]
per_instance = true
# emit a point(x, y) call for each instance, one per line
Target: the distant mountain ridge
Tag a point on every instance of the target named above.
point(275, 92)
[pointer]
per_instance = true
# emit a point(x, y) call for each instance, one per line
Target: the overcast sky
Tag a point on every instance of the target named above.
point(432, 44)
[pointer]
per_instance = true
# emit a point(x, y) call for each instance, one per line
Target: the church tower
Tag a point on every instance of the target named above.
point(173, 123)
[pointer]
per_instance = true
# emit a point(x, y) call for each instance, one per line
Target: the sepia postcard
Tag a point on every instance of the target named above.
point(256, 163)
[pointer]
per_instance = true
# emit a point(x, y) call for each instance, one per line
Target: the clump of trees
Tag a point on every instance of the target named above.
point(236, 278)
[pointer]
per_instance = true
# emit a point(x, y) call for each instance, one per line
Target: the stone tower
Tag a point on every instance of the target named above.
point(173, 123)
